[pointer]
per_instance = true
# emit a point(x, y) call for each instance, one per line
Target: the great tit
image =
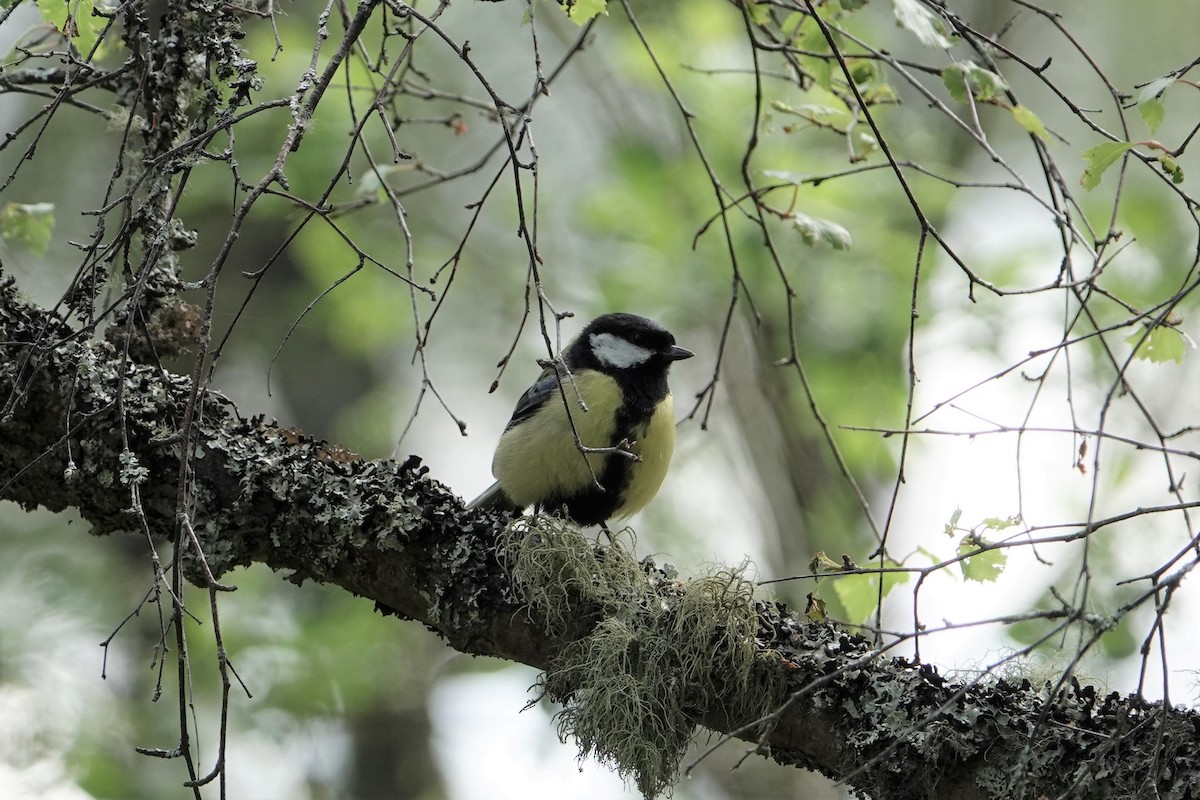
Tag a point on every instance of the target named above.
point(610, 388)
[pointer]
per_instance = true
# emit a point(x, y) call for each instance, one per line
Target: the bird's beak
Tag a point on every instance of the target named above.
point(677, 353)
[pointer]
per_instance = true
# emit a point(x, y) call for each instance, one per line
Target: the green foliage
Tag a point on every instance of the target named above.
point(814, 231)
point(1152, 112)
point(917, 19)
point(977, 559)
point(626, 243)
point(582, 12)
point(1158, 345)
point(75, 21)
point(832, 114)
point(1099, 158)
point(1170, 166)
point(983, 567)
point(860, 594)
point(1149, 101)
point(826, 116)
point(1000, 523)
point(31, 224)
point(967, 79)
point(812, 40)
point(871, 80)
point(759, 13)
point(1029, 121)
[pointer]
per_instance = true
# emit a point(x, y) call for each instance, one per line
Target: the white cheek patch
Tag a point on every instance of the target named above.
point(616, 352)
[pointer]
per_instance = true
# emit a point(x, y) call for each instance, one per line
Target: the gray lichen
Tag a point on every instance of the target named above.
point(638, 657)
point(662, 650)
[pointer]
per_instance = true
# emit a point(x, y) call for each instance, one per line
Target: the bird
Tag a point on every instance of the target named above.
point(611, 388)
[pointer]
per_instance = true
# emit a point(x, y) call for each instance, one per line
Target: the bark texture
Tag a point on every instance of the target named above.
point(80, 427)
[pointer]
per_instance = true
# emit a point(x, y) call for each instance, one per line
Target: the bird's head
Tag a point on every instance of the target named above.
point(617, 343)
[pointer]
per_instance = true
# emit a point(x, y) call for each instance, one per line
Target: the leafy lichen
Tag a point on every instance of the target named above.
point(662, 651)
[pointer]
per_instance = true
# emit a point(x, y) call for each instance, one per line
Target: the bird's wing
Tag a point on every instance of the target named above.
point(544, 388)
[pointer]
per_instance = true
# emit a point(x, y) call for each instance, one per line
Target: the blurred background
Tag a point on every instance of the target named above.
point(347, 704)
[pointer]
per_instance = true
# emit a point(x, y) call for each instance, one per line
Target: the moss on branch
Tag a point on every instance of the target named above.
point(638, 657)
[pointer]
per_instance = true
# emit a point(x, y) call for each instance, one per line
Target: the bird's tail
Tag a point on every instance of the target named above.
point(494, 497)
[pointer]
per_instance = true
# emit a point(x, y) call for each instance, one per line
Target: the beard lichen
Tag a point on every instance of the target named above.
point(663, 653)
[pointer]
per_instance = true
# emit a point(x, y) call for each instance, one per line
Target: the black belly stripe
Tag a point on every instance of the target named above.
point(642, 393)
point(594, 506)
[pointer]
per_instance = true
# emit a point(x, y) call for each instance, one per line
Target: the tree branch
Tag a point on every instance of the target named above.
point(262, 493)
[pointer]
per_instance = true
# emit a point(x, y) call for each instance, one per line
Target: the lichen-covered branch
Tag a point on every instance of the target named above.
point(264, 493)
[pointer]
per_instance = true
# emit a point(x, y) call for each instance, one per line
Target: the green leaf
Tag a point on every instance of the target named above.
point(1161, 344)
point(913, 16)
point(863, 71)
point(74, 20)
point(822, 563)
point(581, 12)
point(953, 523)
point(1155, 88)
point(1029, 121)
point(982, 567)
point(1149, 101)
point(859, 594)
point(955, 79)
point(985, 84)
point(794, 178)
point(793, 23)
point(879, 92)
point(998, 524)
point(968, 79)
point(862, 142)
point(1100, 158)
point(815, 609)
point(1152, 112)
point(760, 13)
point(31, 224)
point(820, 115)
point(821, 69)
point(814, 231)
point(1171, 167)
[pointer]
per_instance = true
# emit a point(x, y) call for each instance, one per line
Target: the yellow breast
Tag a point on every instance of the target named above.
point(655, 445)
point(537, 461)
